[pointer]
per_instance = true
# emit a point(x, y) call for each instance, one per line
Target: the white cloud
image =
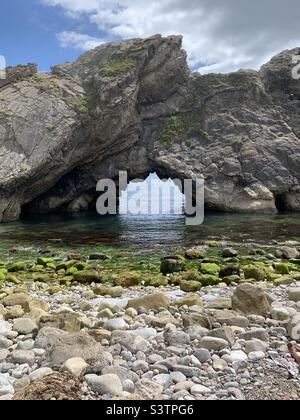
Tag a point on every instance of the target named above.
point(218, 35)
point(76, 40)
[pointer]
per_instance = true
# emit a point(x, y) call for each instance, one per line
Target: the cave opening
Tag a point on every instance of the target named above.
point(150, 195)
point(280, 203)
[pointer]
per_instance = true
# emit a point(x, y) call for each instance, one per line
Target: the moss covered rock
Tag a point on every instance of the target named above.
point(284, 280)
point(71, 271)
point(11, 278)
point(195, 254)
point(130, 279)
point(171, 265)
point(209, 280)
point(101, 290)
point(36, 268)
point(212, 244)
point(45, 261)
point(229, 253)
point(156, 281)
point(190, 286)
point(81, 266)
point(42, 277)
point(282, 268)
point(87, 276)
point(191, 275)
point(231, 279)
point(210, 268)
point(254, 272)
point(17, 267)
point(230, 270)
point(65, 265)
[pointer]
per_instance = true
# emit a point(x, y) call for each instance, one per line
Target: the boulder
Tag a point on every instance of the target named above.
point(150, 302)
point(294, 294)
point(281, 268)
point(220, 303)
point(229, 253)
point(255, 333)
point(36, 315)
point(225, 333)
point(23, 357)
point(255, 345)
point(254, 272)
point(87, 276)
point(210, 268)
point(20, 299)
point(116, 324)
point(161, 320)
point(190, 286)
point(195, 254)
point(67, 322)
point(4, 353)
point(230, 270)
point(24, 326)
point(294, 327)
point(189, 300)
point(197, 319)
point(289, 253)
point(213, 343)
point(122, 372)
point(62, 346)
point(149, 390)
point(5, 329)
point(75, 366)
point(14, 312)
point(250, 300)
point(171, 265)
point(130, 341)
point(109, 384)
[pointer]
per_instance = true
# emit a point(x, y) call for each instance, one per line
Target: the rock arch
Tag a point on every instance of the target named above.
point(134, 105)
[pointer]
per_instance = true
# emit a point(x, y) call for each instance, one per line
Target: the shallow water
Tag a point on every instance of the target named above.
point(150, 231)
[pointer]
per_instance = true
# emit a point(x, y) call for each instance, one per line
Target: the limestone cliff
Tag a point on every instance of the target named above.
point(134, 105)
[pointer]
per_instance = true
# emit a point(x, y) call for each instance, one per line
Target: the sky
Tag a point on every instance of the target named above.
point(219, 35)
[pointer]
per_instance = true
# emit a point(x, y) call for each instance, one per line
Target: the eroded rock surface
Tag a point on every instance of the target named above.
point(134, 105)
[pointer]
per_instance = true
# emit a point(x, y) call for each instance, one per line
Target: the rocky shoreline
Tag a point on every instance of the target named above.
point(218, 324)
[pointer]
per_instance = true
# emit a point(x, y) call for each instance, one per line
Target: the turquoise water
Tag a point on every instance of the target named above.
point(150, 231)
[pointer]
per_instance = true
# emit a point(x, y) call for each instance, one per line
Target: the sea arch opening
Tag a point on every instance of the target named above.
point(152, 195)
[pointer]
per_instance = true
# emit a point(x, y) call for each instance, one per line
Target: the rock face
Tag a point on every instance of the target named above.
point(63, 346)
point(250, 300)
point(134, 105)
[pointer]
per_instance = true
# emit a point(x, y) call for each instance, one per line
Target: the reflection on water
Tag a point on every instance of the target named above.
point(151, 231)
